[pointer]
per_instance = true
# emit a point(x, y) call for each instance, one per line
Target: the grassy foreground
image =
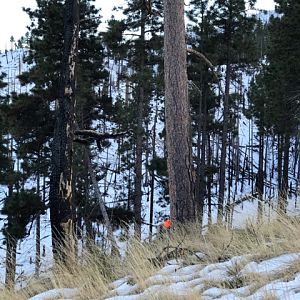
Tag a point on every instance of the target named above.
point(93, 271)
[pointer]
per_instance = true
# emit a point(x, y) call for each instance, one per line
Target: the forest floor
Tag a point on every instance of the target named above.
point(259, 261)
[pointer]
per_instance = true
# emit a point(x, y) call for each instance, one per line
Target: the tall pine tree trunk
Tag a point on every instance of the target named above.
point(60, 195)
point(177, 113)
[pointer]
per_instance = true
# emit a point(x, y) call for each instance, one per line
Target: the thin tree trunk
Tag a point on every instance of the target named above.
point(140, 133)
point(114, 247)
point(10, 263)
point(260, 178)
point(224, 146)
point(177, 113)
point(285, 176)
point(60, 194)
point(209, 182)
point(201, 157)
point(279, 164)
point(152, 186)
point(38, 227)
point(11, 242)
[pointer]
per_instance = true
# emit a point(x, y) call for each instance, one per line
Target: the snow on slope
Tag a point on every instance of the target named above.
point(207, 282)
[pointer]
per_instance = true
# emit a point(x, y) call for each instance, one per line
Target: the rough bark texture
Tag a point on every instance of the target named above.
point(60, 195)
point(178, 133)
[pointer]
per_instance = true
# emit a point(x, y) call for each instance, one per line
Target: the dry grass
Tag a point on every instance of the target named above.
point(93, 272)
point(33, 287)
point(171, 296)
point(260, 241)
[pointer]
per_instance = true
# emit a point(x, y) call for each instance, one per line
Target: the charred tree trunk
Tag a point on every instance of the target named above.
point(60, 195)
point(177, 113)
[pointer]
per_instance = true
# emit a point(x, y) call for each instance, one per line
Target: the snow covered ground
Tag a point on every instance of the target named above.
point(236, 278)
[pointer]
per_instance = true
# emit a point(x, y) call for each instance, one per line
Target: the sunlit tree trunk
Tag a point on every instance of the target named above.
point(177, 113)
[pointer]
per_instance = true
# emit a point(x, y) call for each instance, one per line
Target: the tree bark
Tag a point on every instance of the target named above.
point(60, 195)
point(177, 113)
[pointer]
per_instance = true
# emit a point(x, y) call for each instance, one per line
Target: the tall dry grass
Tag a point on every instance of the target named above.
point(93, 271)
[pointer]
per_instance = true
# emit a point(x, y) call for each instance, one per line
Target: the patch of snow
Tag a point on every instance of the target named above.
point(126, 289)
point(272, 265)
point(55, 294)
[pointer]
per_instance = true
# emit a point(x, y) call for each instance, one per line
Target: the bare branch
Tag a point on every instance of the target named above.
point(210, 65)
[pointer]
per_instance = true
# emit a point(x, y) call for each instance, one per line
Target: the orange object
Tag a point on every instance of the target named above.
point(167, 224)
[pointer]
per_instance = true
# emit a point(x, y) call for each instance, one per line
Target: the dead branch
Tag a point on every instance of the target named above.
point(97, 135)
point(210, 65)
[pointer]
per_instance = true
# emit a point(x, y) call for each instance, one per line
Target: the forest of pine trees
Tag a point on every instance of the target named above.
point(174, 111)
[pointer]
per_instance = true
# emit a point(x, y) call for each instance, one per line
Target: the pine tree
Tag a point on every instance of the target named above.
point(21, 208)
point(202, 95)
point(279, 80)
point(4, 160)
point(45, 58)
point(140, 53)
point(235, 43)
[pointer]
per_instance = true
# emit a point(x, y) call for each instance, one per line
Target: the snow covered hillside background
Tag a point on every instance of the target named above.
point(242, 203)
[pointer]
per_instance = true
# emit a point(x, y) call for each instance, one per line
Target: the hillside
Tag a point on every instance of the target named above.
point(258, 262)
